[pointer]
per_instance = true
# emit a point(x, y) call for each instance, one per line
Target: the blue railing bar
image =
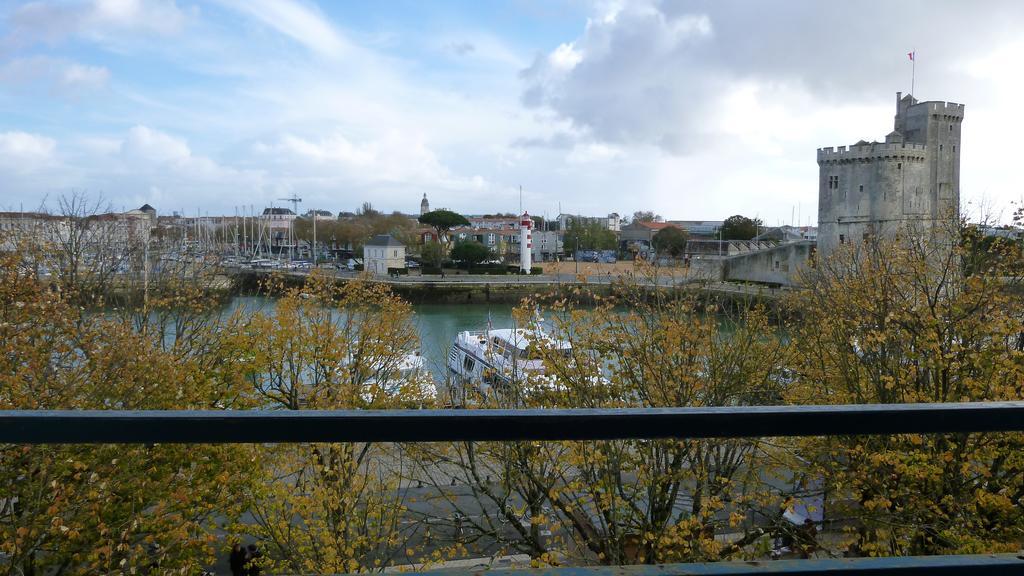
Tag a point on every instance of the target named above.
point(226, 426)
point(973, 565)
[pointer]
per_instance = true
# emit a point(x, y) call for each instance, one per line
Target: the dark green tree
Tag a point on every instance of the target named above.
point(740, 228)
point(432, 254)
point(470, 252)
point(670, 240)
point(584, 235)
point(645, 216)
point(442, 221)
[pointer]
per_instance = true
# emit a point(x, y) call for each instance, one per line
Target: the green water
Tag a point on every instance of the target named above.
point(437, 323)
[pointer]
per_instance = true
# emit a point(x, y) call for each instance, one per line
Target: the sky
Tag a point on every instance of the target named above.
point(693, 109)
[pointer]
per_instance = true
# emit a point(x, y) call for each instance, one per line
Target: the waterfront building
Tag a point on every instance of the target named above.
point(699, 228)
point(787, 233)
point(100, 230)
point(638, 236)
point(909, 183)
point(506, 243)
point(278, 224)
point(494, 222)
point(383, 253)
point(612, 221)
point(320, 215)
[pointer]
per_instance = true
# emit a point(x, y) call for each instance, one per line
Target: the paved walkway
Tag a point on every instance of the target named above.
point(665, 281)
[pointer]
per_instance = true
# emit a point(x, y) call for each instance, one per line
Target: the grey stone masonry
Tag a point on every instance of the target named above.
point(910, 181)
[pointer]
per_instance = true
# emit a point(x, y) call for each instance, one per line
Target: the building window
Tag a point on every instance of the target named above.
point(954, 149)
point(950, 127)
point(899, 165)
point(940, 147)
point(861, 188)
point(842, 239)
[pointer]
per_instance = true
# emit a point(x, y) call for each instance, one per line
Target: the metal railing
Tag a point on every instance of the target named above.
point(129, 427)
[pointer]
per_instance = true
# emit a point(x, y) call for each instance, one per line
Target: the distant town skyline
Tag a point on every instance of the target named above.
point(694, 110)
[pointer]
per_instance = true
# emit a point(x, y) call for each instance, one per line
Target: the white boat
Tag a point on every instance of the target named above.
point(407, 379)
point(499, 362)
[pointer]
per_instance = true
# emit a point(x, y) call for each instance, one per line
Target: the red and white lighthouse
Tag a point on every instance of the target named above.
point(525, 243)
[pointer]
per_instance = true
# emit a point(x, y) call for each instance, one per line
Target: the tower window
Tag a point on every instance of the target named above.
point(899, 165)
point(861, 188)
point(954, 149)
point(940, 147)
point(842, 239)
point(950, 127)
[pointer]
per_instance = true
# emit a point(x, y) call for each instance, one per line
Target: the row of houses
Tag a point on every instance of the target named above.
point(111, 228)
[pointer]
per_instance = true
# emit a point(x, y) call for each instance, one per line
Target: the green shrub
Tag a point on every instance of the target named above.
point(491, 269)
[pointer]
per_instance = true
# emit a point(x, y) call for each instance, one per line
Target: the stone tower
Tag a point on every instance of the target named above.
point(424, 205)
point(911, 181)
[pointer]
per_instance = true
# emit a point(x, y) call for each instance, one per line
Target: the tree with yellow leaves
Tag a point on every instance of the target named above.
point(914, 319)
point(104, 508)
point(630, 501)
point(332, 508)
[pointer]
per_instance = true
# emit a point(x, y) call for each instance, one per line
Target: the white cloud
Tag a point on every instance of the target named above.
point(724, 105)
point(148, 145)
point(624, 79)
point(393, 158)
point(161, 16)
point(53, 23)
point(698, 109)
point(564, 58)
point(304, 24)
point(24, 149)
point(652, 73)
point(77, 76)
point(592, 152)
point(62, 77)
point(477, 47)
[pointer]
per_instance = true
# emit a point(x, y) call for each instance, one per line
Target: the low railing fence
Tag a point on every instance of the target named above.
point(130, 427)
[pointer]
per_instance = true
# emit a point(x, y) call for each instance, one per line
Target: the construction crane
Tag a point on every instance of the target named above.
point(291, 235)
point(295, 202)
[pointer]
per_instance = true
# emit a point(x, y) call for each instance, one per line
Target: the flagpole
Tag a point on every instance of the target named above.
point(913, 70)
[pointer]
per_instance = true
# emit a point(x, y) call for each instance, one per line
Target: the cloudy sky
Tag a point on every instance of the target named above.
point(694, 109)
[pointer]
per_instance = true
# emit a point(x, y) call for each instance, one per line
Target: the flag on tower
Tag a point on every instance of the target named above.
point(913, 69)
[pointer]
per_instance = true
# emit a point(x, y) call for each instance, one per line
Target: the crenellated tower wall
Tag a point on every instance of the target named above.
point(910, 180)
